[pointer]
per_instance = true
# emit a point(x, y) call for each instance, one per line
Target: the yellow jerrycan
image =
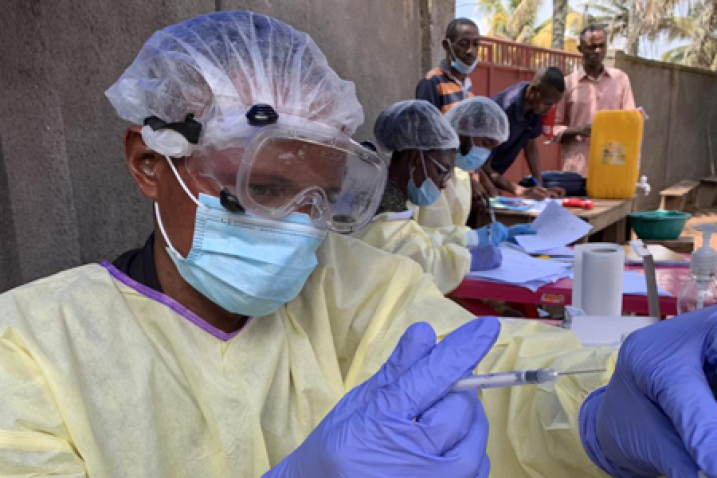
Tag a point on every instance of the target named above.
point(614, 163)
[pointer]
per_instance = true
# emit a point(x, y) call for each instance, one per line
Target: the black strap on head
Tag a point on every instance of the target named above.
point(189, 128)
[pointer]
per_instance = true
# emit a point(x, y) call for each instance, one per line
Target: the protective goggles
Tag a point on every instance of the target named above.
point(291, 165)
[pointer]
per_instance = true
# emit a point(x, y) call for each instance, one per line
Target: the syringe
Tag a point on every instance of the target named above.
point(512, 379)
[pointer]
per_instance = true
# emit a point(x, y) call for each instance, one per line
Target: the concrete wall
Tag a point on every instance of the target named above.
point(66, 196)
point(682, 105)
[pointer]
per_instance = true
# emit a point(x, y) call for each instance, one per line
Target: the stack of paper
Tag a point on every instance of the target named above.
point(518, 268)
point(556, 228)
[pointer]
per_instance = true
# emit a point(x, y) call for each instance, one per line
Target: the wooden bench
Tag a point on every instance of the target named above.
point(707, 192)
point(679, 197)
point(683, 245)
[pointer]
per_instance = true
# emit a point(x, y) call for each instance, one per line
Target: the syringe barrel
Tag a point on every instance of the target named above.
point(505, 379)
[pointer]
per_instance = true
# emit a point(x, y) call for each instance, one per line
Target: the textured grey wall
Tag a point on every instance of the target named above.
point(682, 105)
point(66, 196)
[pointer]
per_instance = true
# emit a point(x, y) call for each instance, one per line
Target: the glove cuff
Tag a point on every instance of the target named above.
point(472, 239)
point(588, 433)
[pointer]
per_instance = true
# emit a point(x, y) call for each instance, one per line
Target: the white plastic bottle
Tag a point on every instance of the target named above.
point(701, 289)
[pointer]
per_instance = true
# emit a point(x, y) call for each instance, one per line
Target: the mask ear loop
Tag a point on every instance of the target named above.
point(181, 182)
point(159, 215)
point(453, 53)
point(425, 171)
point(164, 233)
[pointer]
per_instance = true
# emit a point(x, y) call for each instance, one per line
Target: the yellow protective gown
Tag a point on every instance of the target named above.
point(440, 252)
point(102, 378)
point(452, 208)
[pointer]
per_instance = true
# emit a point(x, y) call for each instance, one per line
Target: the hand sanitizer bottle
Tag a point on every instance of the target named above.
point(700, 290)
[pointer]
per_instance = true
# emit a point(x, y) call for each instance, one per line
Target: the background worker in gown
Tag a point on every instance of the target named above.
point(422, 147)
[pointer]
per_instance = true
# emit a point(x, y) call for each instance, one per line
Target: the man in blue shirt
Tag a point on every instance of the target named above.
point(525, 104)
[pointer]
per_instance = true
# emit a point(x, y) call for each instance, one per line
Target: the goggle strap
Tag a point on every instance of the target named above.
point(181, 182)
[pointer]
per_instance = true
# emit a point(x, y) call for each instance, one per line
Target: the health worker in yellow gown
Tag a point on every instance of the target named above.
point(422, 150)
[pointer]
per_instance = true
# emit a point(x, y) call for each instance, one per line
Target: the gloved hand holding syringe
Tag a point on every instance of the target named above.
point(513, 379)
point(517, 378)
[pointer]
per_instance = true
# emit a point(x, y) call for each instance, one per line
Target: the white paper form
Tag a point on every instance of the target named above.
point(519, 268)
point(555, 227)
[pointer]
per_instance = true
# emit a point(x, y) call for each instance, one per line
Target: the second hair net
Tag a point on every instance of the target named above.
point(479, 117)
point(414, 124)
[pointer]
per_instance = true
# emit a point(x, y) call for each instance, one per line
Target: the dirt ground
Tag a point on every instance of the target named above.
point(701, 217)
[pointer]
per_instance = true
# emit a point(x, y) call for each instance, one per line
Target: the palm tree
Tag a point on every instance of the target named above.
point(575, 22)
point(701, 51)
point(560, 14)
point(698, 28)
point(639, 20)
point(513, 20)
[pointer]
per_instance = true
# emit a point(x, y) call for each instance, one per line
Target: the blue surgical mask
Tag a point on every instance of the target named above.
point(427, 194)
point(246, 264)
point(461, 67)
point(475, 158)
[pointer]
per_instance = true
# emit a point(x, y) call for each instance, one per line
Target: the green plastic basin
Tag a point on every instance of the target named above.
point(659, 225)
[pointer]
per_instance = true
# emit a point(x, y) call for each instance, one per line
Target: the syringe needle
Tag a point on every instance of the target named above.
point(578, 372)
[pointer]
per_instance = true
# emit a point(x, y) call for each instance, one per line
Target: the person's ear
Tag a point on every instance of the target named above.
point(446, 45)
point(142, 162)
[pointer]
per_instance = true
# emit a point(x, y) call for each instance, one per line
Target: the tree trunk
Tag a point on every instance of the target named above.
point(634, 29)
point(560, 14)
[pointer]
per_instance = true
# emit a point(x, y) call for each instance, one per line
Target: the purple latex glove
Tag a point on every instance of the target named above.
point(403, 421)
point(485, 258)
point(658, 414)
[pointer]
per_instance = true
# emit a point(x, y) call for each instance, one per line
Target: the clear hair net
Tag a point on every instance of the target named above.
point(479, 117)
point(217, 66)
point(414, 124)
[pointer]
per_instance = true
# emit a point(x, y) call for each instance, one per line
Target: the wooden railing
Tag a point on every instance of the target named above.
point(519, 55)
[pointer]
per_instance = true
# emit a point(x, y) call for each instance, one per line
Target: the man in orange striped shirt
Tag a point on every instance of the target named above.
point(448, 83)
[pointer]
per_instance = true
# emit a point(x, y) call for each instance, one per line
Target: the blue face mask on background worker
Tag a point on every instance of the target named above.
point(475, 158)
point(428, 192)
point(459, 66)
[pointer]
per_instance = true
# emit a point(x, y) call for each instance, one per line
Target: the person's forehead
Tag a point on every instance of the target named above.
point(483, 140)
point(442, 154)
point(548, 92)
point(592, 37)
point(467, 32)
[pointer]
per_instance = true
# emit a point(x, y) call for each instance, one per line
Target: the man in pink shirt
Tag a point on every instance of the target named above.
point(592, 88)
